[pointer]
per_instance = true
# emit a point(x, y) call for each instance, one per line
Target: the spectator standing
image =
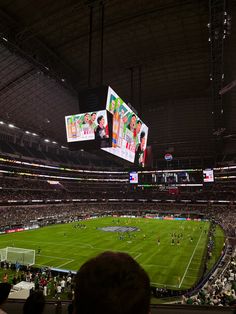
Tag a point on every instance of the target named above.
point(63, 284)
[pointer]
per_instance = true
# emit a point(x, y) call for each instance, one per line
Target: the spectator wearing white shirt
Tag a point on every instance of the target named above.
point(63, 284)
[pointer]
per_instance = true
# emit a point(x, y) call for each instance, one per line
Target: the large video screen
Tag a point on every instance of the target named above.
point(133, 177)
point(87, 126)
point(129, 133)
point(208, 175)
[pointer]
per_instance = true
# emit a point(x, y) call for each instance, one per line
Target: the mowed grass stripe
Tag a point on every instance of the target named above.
point(196, 262)
point(191, 258)
point(73, 246)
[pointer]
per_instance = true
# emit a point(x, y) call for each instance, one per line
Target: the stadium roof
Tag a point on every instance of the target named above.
point(161, 48)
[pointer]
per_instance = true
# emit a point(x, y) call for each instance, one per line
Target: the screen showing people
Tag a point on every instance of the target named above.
point(133, 177)
point(129, 133)
point(208, 175)
point(87, 126)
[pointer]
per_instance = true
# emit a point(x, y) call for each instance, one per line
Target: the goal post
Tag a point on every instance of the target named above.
point(18, 255)
point(3, 254)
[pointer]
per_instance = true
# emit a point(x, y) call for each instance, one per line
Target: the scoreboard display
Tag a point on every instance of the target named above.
point(187, 177)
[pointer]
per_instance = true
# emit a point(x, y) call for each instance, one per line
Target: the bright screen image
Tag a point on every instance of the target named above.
point(133, 177)
point(129, 133)
point(87, 126)
point(208, 175)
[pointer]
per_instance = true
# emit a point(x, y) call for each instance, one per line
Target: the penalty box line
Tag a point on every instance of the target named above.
point(72, 260)
point(162, 284)
point(55, 257)
point(190, 260)
point(69, 260)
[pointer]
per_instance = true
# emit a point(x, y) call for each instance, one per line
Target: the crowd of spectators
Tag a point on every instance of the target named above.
point(211, 241)
point(220, 290)
point(51, 283)
point(225, 215)
point(27, 188)
point(12, 216)
point(26, 215)
point(20, 183)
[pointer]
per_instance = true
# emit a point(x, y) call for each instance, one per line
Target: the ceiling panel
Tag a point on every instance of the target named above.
point(168, 39)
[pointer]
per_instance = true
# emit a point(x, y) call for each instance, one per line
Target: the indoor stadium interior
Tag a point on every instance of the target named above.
point(118, 133)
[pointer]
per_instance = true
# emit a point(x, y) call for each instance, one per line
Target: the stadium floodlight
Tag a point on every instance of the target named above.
point(18, 255)
point(27, 132)
point(1, 122)
point(11, 125)
point(34, 134)
point(46, 140)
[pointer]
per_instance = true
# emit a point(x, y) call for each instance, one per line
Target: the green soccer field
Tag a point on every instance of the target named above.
point(177, 266)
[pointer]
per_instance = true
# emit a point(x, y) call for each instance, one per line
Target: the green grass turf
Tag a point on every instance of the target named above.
point(174, 266)
point(219, 239)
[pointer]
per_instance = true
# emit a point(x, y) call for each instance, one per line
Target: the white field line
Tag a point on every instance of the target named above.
point(138, 255)
point(62, 258)
point(190, 260)
point(77, 244)
point(162, 284)
point(156, 265)
point(70, 261)
point(53, 243)
point(188, 276)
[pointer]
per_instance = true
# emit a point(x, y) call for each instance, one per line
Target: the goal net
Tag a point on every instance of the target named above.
point(18, 255)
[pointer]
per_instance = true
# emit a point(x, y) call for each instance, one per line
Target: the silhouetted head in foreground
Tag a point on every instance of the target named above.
point(34, 303)
point(112, 283)
point(5, 289)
